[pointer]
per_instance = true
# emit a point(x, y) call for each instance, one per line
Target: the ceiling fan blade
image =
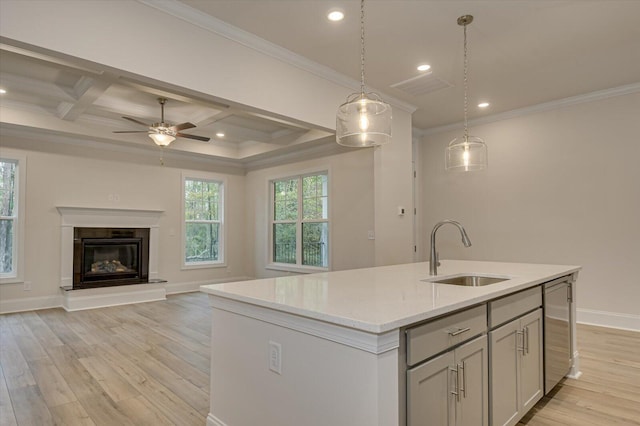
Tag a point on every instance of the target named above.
point(131, 131)
point(136, 121)
point(199, 138)
point(183, 126)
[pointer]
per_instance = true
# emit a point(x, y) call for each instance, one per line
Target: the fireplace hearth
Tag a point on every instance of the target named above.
point(104, 257)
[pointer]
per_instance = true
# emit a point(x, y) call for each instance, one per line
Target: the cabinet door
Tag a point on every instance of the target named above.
point(429, 385)
point(504, 370)
point(473, 381)
point(532, 380)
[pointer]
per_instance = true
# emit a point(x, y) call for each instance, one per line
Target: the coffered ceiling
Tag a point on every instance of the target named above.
point(521, 54)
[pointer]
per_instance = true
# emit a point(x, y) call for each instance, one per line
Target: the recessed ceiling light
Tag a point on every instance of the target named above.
point(2, 91)
point(220, 135)
point(424, 67)
point(483, 104)
point(335, 15)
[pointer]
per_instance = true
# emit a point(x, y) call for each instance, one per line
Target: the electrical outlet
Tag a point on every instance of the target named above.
point(275, 357)
point(27, 286)
point(371, 235)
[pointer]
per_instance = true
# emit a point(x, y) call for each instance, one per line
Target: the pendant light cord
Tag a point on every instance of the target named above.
point(362, 48)
point(466, 87)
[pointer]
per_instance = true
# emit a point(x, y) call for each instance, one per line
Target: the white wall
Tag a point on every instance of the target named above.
point(562, 187)
point(67, 175)
point(351, 195)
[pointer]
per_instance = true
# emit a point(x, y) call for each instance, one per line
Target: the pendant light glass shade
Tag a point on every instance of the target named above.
point(364, 119)
point(468, 153)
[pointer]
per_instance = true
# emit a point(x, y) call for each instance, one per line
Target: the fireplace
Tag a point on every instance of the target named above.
point(105, 257)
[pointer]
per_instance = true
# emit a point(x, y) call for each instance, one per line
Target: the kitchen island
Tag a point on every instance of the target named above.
point(329, 348)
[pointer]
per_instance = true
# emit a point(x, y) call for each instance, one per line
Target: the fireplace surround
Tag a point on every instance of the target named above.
point(104, 217)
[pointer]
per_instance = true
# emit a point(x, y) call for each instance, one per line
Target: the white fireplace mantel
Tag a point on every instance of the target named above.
point(72, 217)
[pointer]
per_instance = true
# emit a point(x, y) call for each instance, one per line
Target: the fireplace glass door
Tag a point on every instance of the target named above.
point(110, 256)
point(113, 258)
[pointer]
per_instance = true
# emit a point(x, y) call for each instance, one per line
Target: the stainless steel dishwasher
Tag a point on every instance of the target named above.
point(557, 331)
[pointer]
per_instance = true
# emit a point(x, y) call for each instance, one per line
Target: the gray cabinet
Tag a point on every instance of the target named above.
point(516, 368)
point(450, 389)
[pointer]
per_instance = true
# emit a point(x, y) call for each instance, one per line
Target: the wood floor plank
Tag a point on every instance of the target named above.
point(41, 331)
point(29, 406)
point(52, 385)
point(16, 370)
point(113, 384)
point(143, 413)
point(7, 414)
point(119, 355)
point(75, 374)
point(103, 411)
point(29, 346)
point(72, 414)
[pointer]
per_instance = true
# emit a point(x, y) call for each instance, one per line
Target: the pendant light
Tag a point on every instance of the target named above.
point(364, 119)
point(468, 153)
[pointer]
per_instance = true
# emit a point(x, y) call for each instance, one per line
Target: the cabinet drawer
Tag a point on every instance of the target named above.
point(436, 336)
point(512, 306)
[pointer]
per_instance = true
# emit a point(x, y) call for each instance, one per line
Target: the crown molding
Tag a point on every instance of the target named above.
point(534, 109)
point(247, 39)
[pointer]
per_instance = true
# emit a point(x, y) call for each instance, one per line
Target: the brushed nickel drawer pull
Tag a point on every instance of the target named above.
point(456, 382)
point(520, 348)
point(459, 331)
point(463, 388)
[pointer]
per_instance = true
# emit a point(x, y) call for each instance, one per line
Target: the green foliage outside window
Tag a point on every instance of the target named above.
point(311, 227)
point(203, 214)
point(7, 215)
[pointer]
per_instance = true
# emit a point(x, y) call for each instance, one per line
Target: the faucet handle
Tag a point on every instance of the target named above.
point(437, 258)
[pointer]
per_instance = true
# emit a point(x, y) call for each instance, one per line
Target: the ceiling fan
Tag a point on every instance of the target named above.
point(162, 133)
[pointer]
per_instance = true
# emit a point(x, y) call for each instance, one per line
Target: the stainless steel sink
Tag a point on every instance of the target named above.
point(468, 280)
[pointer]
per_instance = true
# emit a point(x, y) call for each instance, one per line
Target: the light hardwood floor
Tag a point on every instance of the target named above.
point(148, 364)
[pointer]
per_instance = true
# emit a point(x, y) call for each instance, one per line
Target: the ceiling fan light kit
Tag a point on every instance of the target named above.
point(468, 153)
point(162, 139)
point(364, 119)
point(162, 133)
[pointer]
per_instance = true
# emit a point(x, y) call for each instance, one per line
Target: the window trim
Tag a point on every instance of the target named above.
point(222, 250)
point(297, 267)
point(19, 233)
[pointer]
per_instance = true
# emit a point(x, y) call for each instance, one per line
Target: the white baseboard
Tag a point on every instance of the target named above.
point(91, 298)
point(107, 296)
point(214, 421)
point(30, 304)
point(608, 319)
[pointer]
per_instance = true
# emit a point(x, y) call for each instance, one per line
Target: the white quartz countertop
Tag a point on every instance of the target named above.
point(384, 298)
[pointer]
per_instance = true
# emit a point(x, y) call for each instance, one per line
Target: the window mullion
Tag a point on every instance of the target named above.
point(299, 224)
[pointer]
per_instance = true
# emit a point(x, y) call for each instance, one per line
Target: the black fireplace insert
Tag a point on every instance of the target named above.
point(105, 257)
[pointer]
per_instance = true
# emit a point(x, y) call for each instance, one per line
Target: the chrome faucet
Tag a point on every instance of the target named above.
point(433, 255)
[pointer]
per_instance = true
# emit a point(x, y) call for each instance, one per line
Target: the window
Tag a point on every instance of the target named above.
point(300, 221)
point(12, 174)
point(203, 214)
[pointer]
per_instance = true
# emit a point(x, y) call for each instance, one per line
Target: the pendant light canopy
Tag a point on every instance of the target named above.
point(468, 153)
point(364, 119)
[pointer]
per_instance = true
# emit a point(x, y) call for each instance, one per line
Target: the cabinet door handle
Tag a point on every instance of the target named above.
point(456, 390)
point(459, 331)
point(526, 333)
point(520, 348)
point(569, 294)
point(463, 388)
